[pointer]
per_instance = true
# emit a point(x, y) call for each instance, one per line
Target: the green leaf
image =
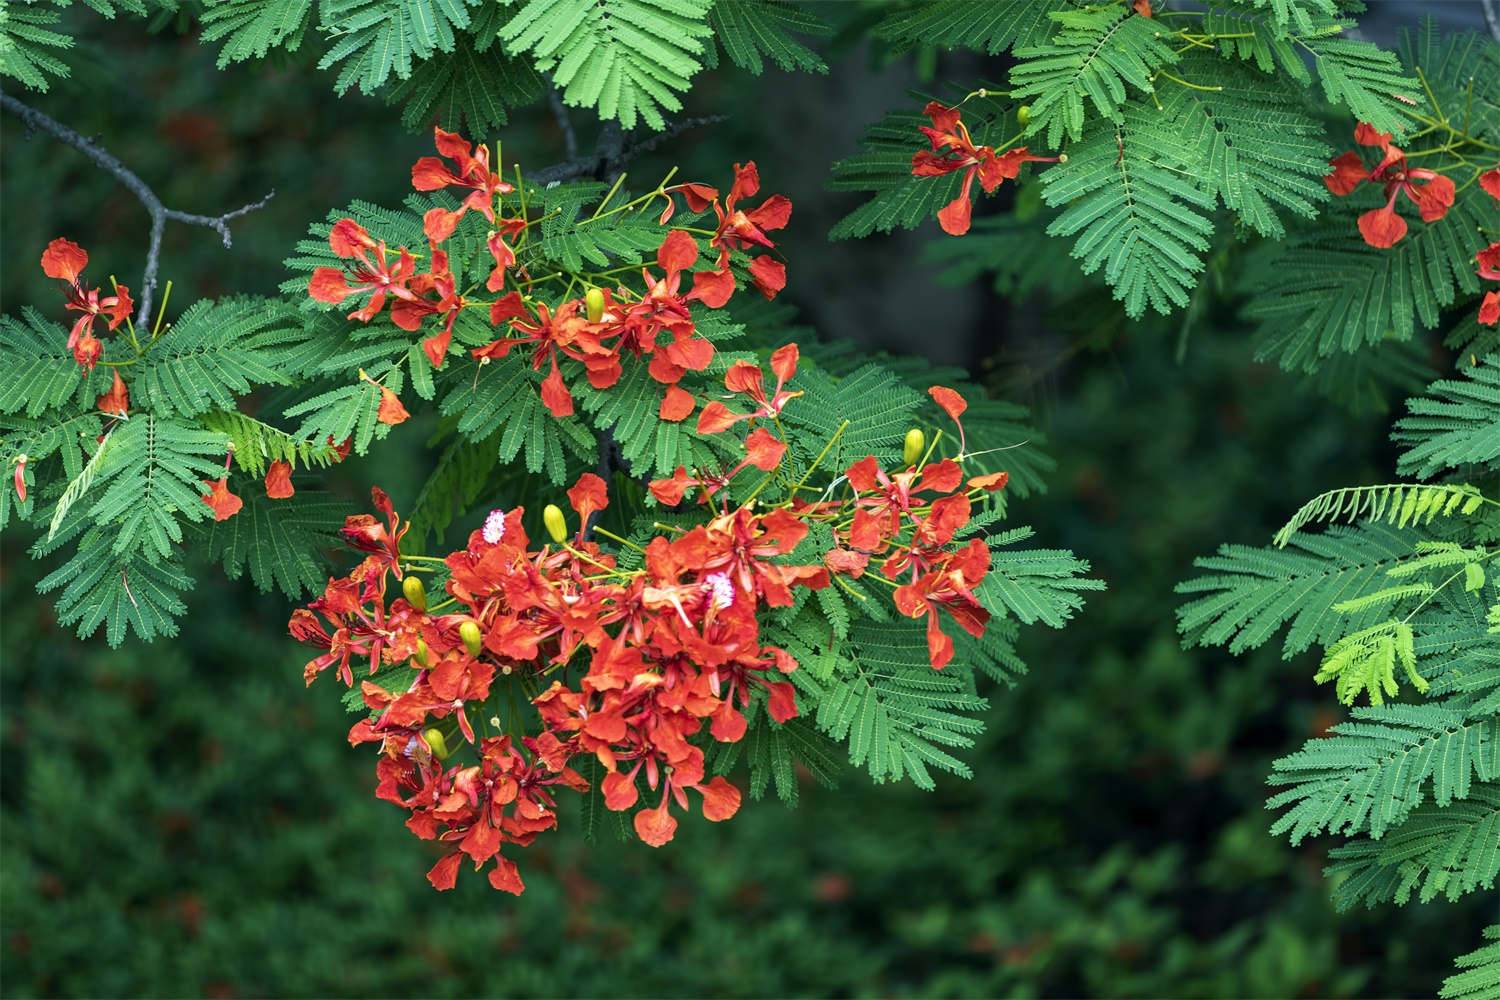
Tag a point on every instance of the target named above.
point(1135, 214)
point(279, 541)
point(214, 352)
point(629, 59)
point(1455, 423)
point(41, 374)
point(249, 29)
point(990, 26)
point(1094, 55)
point(134, 591)
point(752, 31)
point(28, 44)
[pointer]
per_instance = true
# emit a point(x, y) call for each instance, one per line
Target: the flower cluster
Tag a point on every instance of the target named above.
point(633, 668)
point(953, 150)
point(593, 333)
point(65, 260)
point(1428, 190)
point(1489, 257)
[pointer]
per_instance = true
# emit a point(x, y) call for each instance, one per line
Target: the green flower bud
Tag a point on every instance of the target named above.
point(421, 656)
point(1023, 114)
point(911, 450)
point(416, 594)
point(593, 304)
point(435, 742)
point(472, 637)
point(557, 524)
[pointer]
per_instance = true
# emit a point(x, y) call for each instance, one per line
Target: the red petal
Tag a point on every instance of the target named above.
point(1433, 198)
point(430, 174)
point(390, 411)
point(677, 405)
point(1490, 182)
point(444, 874)
point(438, 223)
point(769, 275)
point(223, 503)
point(506, 308)
point(939, 646)
point(721, 800)
point(348, 237)
point(712, 288)
point(1365, 135)
point(784, 362)
point(1382, 227)
point(588, 495)
point(327, 285)
point(436, 346)
point(992, 482)
point(279, 480)
point(781, 702)
point(1489, 309)
point(1347, 174)
point(656, 826)
point(774, 213)
point(117, 399)
point(716, 418)
point(763, 450)
point(506, 877)
point(64, 259)
point(678, 252)
point(451, 144)
point(555, 395)
point(951, 402)
point(954, 217)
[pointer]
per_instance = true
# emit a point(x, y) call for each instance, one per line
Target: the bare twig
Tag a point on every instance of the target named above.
point(159, 213)
point(1491, 18)
point(608, 158)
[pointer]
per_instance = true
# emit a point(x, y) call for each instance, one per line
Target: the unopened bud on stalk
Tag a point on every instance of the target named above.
point(416, 594)
point(557, 525)
point(421, 656)
point(911, 451)
point(1023, 114)
point(472, 637)
point(436, 743)
point(593, 304)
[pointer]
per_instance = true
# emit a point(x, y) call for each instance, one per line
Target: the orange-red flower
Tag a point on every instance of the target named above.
point(279, 480)
point(371, 270)
point(473, 171)
point(223, 503)
point(1382, 227)
point(65, 260)
point(953, 149)
point(749, 380)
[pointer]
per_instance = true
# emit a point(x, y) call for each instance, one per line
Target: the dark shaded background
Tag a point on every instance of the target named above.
point(185, 818)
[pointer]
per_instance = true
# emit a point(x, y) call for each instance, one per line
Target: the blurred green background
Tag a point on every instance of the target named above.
point(186, 818)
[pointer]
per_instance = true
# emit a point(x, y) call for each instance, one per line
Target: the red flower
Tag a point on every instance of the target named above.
point(223, 503)
point(390, 411)
point(19, 477)
point(550, 336)
point(370, 271)
point(749, 380)
point(1489, 262)
point(408, 314)
point(587, 496)
point(65, 260)
point(1489, 309)
point(677, 405)
point(279, 480)
point(432, 174)
point(1430, 191)
point(738, 229)
point(950, 587)
point(953, 149)
point(116, 401)
point(1490, 182)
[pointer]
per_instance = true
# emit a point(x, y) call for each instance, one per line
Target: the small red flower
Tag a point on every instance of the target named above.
point(116, 401)
point(390, 411)
point(65, 260)
point(1383, 228)
point(19, 478)
point(279, 480)
point(370, 270)
point(223, 503)
point(1490, 182)
point(953, 149)
point(473, 171)
point(749, 380)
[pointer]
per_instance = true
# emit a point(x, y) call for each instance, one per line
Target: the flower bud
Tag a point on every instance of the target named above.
point(472, 637)
point(1023, 114)
point(557, 524)
point(911, 450)
point(416, 594)
point(436, 743)
point(593, 304)
point(421, 656)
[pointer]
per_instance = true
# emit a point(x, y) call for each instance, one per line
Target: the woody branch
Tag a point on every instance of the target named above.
point(158, 212)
